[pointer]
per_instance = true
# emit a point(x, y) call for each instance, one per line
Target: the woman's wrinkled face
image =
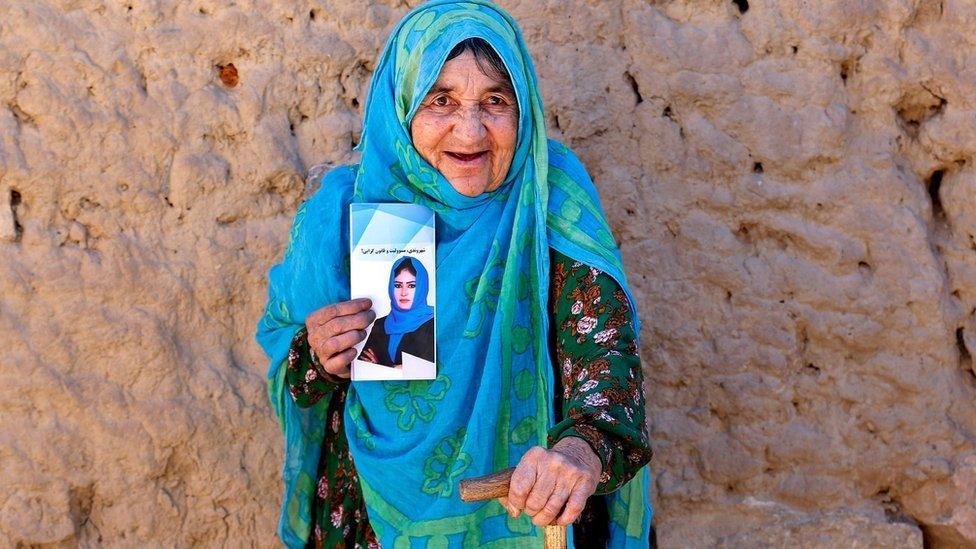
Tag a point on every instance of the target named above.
point(404, 286)
point(466, 126)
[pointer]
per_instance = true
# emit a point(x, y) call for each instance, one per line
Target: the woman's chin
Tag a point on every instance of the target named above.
point(469, 185)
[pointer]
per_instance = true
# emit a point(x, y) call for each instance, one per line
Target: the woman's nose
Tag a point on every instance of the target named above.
point(470, 127)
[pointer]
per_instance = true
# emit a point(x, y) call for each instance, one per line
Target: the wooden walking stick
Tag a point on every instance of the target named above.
point(494, 486)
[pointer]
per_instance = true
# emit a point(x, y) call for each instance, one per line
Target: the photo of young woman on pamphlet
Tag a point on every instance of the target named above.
point(409, 328)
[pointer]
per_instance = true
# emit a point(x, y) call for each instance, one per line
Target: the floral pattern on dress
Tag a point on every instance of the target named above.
point(308, 382)
point(596, 350)
point(338, 508)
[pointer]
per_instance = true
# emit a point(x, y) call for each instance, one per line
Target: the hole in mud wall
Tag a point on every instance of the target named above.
point(964, 355)
point(633, 85)
point(15, 200)
point(743, 5)
point(934, 185)
point(757, 167)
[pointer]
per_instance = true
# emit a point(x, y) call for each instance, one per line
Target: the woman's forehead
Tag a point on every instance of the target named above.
point(465, 73)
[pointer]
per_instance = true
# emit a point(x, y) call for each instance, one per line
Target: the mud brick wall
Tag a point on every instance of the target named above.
point(792, 183)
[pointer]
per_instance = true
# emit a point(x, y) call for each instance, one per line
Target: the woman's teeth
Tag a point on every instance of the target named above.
point(467, 157)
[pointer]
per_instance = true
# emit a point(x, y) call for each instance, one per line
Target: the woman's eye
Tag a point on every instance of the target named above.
point(439, 101)
point(397, 285)
point(411, 285)
point(496, 100)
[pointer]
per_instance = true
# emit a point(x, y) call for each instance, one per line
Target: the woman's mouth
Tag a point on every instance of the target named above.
point(467, 158)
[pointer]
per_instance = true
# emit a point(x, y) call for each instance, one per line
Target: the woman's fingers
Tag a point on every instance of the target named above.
point(346, 323)
point(557, 500)
point(327, 343)
point(334, 330)
point(552, 485)
point(369, 356)
point(575, 504)
point(343, 308)
point(340, 343)
point(523, 479)
point(337, 352)
point(545, 484)
point(338, 365)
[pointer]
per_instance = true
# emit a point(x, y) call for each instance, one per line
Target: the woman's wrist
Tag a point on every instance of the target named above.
point(580, 449)
point(320, 369)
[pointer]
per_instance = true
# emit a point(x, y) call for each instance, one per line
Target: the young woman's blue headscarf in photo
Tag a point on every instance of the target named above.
point(403, 321)
point(413, 441)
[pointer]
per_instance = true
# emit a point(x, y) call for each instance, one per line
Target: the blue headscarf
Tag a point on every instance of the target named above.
point(403, 321)
point(413, 441)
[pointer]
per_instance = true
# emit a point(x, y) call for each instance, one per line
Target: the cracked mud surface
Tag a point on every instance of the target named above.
point(792, 184)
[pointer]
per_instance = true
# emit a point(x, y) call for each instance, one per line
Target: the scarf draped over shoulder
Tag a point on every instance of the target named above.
point(413, 441)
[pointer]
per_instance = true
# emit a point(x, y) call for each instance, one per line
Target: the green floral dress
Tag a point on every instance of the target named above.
point(600, 400)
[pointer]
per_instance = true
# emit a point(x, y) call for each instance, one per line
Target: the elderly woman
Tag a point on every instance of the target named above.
point(537, 342)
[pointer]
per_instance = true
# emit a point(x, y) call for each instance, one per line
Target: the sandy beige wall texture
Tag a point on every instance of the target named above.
point(792, 182)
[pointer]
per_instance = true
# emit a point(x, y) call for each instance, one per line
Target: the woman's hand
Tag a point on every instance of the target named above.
point(552, 485)
point(334, 331)
point(369, 355)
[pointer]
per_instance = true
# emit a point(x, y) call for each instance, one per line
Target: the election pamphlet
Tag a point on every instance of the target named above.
point(392, 263)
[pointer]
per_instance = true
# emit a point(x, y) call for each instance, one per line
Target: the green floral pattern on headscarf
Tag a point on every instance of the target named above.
point(445, 466)
point(413, 401)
